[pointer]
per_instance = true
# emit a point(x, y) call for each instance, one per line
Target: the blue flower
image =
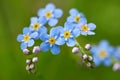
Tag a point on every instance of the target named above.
point(67, 35)
point(37, 25)
point(117, 53)
point(76, 17)
point(50, 41)
point(86, 29)
point(27, 38)
point(102, 53)
point(51, 14)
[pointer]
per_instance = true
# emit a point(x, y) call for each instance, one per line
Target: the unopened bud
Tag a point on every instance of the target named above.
point(35, 59)
point(36, 49)
point(85, 56)
point(116, 67)
point(27, 67)
point(90, 58)
point(26, 51)
point(32, 66)
point(75, 50)
point(88, 46)
point(88, 65)
point(28, 61)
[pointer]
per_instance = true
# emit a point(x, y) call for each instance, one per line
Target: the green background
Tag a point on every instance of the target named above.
point(16, 14)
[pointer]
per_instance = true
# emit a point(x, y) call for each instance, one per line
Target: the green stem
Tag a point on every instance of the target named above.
point(81, 49)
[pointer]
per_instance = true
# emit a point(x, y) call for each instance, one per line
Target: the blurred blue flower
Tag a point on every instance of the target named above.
point(102, 53)
point(50, 41)
point(67, 34)
point(76, 17)
point(37, 25)
point(117, 53)
point(86, 29)
point(51, 14)
point(27, 38)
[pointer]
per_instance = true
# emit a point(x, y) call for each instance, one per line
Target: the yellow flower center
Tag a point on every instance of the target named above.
point(36, 26)
point(102, 54)
point(66, 34)
point(85, 28)
point(26, 38)
point(77, 18)
point(52, 40)
point(48, 14)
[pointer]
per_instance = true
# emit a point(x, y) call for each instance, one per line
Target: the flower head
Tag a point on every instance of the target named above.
point(27, 38)
point(50, 41)
point(51, 14)
point(67, 34)
point(76, 17)
point(86, 29)
point(102, 53)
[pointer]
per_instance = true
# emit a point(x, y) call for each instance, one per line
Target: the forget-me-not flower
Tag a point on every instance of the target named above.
point(86, 29)
point(68, 34)
point(27, 38)
point(76, 17)
point(50, 41)
point(51, 14)
point(37, 25)
point(102, 53)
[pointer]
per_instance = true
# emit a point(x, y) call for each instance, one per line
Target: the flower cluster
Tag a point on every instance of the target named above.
point(75, 25)
point(106, 54)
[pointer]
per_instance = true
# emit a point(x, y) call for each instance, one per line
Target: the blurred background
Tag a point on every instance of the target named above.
point(16, 14)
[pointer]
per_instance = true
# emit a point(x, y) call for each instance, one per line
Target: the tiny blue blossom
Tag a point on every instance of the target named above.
point(51, 14)
point(102, 53)
point(76, 17)
point(86, 29)
point(117, 53)
point(27, 38)
point(68, 34)
point(37, 25)
point(50, 41)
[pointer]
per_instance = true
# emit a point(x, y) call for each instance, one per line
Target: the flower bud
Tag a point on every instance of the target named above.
point(27, 67)
point(88, 65)
point(36, 49)
point(32, 66)
point(75, 50)
point(35, 59)
point(26, 51)
point(90, 58)
point(88, 46)
point(28, 61)
point(116, 67)
point(85, 56)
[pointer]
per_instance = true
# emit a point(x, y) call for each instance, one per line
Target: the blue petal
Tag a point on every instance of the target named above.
point(104, 44)
point(34, 35)
point(76, 32)
point(42, 30)
point(50, 6)
point(58, 13)
point(107, 62)
point(42, 20)
point(23, 45)
point(83, 20)
point(33, 20)
point(91, 26)
point(45, 46)
point(69, 26)
point(26, 30)
point(60, 41)
point(73, 12)
point(96, 60)
point(20, 37)
point(70, 19)
point(84, 33)
point(71, 42)
point(30, 42)
point(91, 33)
point(55, 31)
point(52, 22)
point(41, 12)
point(44, 36)
point(94, 50)
point(55, 49)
